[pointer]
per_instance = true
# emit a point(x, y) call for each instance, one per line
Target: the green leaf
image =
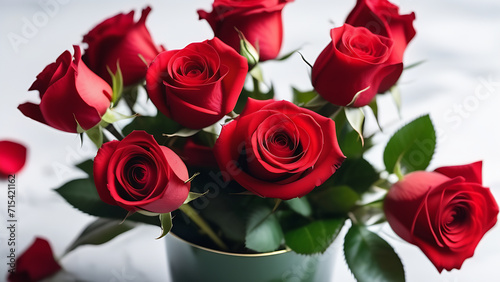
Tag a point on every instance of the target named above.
point(156, 126)
point(356, 173)
point(264, 232)
point(99, 232)
point(300, 206)
point(82, 194)
point(370, 258)
point(315, 237)
point(166, 224)
point(411, 147)
point(302, 98)
point(334, 200)
point(349, 140)
point(355, 117)
point(255, 94)
point(87, 167)
point(316, 102)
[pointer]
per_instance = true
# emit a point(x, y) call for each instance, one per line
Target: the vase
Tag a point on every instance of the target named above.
point(189, 262)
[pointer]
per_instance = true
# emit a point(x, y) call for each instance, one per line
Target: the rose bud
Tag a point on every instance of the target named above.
point(382, 17)
point(37, 262)
point(120, 39)
point(198, 85)
point(197, 155)
point(12, 158)
point(72, 96)
point(276, 149)
point(445, 213)
point(259, 20)
point(137, 174)
point(349, 70)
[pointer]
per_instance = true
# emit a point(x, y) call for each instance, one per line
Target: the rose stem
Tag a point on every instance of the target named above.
point(111, 128)
point(203, 225)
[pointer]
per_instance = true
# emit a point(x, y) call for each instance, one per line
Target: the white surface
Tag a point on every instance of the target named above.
point(459, 40)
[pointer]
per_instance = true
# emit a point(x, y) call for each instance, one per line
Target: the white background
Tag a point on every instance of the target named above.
point(458, 85)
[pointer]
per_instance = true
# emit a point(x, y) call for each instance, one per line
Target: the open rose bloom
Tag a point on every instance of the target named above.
point(445, 212)
point(198, 141)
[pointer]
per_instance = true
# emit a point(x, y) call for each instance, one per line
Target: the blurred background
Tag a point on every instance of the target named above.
point(458, 85)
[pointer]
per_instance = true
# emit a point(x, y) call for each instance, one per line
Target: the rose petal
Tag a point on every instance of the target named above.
point(12, 157)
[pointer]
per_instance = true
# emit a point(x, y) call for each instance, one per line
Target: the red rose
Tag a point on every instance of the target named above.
point(138, 174)
point(36, 263)
point(12, 157)
point(276, 149)
point(71, 95)
point(445, 213)
point(259, 20)
point(120, 39)
point(198, 85)
point(197, 155)
point(382, 17)
point(355, 61)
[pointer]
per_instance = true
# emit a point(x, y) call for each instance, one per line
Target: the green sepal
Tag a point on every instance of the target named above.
point(183, 132)
point(374, 107)
point(112, 116)
point(288, 55)
point(117, 84)
point(356, 96)
point(414, 65)
point(166, 224)
point(96, 136)
point(193, 196)
point(248, 51)
point(356, 117)
point(396, 97)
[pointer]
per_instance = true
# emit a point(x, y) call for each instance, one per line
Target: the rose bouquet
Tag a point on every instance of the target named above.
point(225, 165)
